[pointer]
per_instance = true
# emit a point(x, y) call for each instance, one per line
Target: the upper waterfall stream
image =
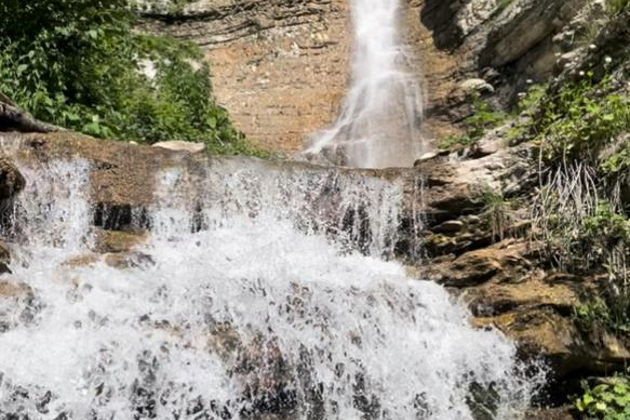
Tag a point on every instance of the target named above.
point(379, 122)
point(256, 295)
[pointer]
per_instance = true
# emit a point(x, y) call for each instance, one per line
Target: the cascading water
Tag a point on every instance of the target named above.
point(249, 300)
point(379, 122)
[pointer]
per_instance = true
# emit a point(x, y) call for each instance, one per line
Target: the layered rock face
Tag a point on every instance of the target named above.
point(280, 67)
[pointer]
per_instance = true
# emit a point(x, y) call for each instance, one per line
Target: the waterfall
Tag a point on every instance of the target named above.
point(378, 126)
point(254, 296)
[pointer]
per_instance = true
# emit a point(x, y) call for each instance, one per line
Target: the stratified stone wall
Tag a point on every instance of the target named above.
point(280, 67)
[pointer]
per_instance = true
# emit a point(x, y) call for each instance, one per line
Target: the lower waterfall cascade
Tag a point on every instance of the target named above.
point(254, 296)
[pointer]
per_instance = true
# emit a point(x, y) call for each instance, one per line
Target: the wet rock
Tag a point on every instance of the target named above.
point(450, 226)
point(81, 260)
point(9, 289)
point(181, 146)
point(556, 413)
point(5, 258)
point(124, 260)
point(113, 241)
point(541, 332)
point(11, 180)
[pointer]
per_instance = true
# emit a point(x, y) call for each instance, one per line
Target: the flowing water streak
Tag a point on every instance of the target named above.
point(243, 308)
point(379, 122)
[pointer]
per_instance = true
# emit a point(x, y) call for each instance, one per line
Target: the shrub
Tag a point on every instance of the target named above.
point(581, 120)
point(609, 400)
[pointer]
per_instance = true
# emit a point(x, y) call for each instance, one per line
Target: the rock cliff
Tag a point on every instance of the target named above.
point(280, 67)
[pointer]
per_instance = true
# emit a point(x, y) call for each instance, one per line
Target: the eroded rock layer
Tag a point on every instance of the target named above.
point(280, 67)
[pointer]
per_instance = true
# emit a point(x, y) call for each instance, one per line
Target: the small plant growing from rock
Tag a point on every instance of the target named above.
point(482, 119)
point(609, 400)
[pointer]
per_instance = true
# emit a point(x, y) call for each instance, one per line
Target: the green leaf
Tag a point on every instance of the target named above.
point(601, 406)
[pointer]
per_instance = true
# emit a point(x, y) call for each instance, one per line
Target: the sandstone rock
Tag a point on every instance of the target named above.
point(542, 332)
point(181, 146)
point(486, 146)
point(110, 241)
point(427, 156)
point(279, 66)
point(452, 189)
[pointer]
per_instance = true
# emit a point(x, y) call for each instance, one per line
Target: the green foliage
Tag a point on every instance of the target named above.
point(589, 314)
point(606, 227)
point(497, 211)
point(618, 163)
point(80, 64)
point(482, 119)
point(531, 100)
point(617, 6)
point(503, 4)
point(454, 140)
point(581, 120)
point(609, 400)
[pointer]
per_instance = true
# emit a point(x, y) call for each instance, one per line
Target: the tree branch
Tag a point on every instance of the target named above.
point(13, 118)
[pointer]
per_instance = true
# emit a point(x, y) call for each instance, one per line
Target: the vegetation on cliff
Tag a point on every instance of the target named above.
point(571, 134)
point(81, 64)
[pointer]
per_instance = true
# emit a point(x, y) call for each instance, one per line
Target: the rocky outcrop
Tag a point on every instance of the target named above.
point(508, 45)
point(485, 250)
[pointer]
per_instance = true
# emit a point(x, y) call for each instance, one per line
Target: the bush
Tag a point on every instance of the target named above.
point(80, 64)
point(609, 400)
point(581, 120)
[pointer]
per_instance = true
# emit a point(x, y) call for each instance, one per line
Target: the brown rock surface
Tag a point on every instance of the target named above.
point(10, 289)
point(114, 241)
point(280, 67)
